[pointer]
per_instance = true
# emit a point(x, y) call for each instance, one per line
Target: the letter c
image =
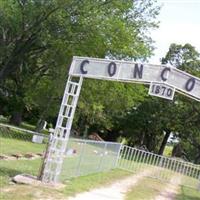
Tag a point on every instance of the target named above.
point(163, 73)
point(83, 71)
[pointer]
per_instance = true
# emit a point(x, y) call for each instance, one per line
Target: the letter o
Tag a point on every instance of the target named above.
point(112, 68)
point(189, 86)
point(169, 92)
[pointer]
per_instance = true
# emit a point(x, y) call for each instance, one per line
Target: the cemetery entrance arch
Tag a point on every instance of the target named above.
point(164, 81)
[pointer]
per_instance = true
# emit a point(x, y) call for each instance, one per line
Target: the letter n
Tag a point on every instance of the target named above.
point(138, 71)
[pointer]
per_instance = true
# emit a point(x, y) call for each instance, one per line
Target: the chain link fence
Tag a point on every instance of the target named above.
point(21, 151)
point(19, 140)
point(88, 156)
point(24, 147)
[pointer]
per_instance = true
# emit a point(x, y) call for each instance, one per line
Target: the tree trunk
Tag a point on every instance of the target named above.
point(142, 139)
point(41, 121)
point(85, 133)
point(16, 118)
point(164, 142)
point(197, 159)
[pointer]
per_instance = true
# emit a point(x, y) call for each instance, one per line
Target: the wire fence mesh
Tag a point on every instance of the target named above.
point(87, 156)
point(21, 150)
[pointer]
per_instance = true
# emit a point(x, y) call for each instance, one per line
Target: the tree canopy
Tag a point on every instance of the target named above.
point(153, 121)
point(39, 38)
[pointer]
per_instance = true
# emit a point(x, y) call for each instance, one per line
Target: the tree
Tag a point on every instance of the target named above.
point(102, 102)
point(184, 57)
point(187, 58)
point(24, 23)
point(150, 123)
point(188, 131)
point(38, 39)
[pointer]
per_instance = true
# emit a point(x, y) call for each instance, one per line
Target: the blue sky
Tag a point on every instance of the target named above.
point(179, 23)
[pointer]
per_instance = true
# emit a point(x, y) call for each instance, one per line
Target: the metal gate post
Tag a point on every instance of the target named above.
point(118, 156)
point(57, 147)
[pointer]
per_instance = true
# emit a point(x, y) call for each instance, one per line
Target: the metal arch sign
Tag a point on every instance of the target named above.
point(163, 82)
point(125, 71)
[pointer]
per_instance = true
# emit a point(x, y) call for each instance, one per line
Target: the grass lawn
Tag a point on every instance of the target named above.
point(26, 192)
point(95, 161)
point(9, 146)
point(190, 182)
point(16, 141)
point(85, 183)
point(10, 168)
point(146, 189)
point(149, 188)
point(24, 125)
point(187, 193)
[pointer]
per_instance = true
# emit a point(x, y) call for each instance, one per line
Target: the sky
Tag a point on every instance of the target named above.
point(179, 23)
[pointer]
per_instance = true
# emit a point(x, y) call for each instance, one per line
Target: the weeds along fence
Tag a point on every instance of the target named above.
point(160, 167)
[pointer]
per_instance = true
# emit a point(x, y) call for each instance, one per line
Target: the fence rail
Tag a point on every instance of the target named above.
point(22, 130)
point(163, 168)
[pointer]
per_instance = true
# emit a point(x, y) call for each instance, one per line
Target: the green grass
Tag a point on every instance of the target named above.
point(146, 189)
point(10, 168)
point(24, 125)
point(27, 126)
point(10, 146)
point(5, 120)
point(31, 127)
point(15, 141)
point(187, 193)
point(149, 188)
point(190, 182)
point(84, 183)
point(95, 162)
